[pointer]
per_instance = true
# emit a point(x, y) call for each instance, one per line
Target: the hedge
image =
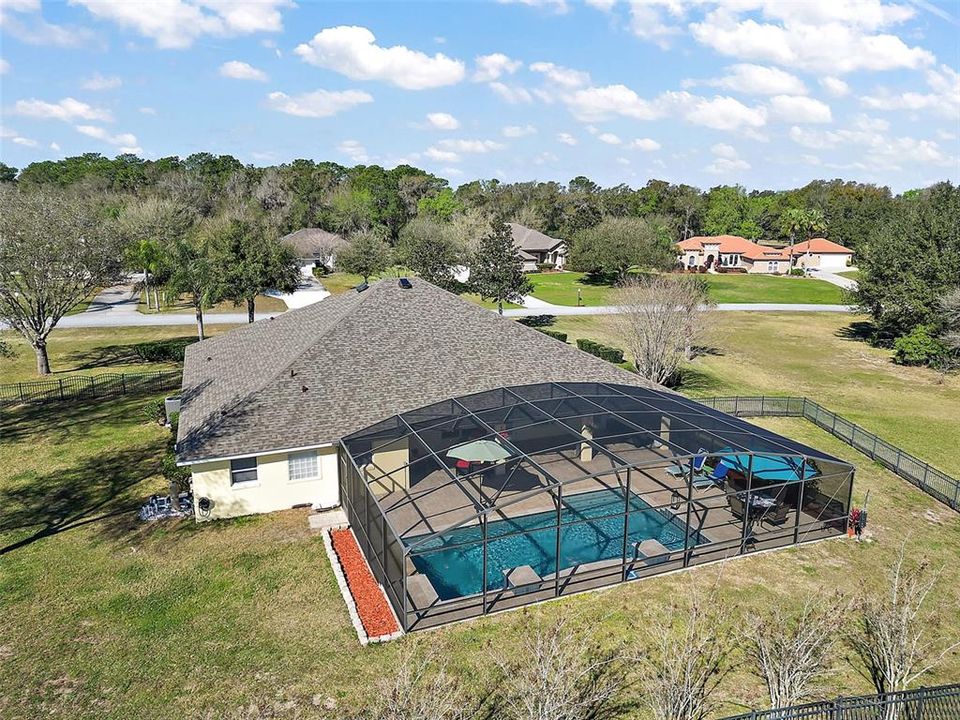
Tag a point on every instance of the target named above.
point(556, 334)
point(162, 350)
point(610, 354)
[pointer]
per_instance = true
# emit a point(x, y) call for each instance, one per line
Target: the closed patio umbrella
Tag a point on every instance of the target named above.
point(479, 451)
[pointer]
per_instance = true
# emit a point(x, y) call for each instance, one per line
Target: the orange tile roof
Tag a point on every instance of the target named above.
point(734, 244)
point(819, 245)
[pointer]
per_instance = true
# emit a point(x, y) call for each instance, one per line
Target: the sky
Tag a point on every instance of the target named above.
point(765, 93)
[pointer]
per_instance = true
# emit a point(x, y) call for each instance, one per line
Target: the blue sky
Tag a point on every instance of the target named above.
point(765, 93)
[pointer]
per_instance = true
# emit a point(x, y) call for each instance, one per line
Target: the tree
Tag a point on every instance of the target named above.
point(497, 271)
point(367, 254)
point(194, 269)
point(442, 206)
point(564, 673)
point(427, 249)
point(660, 318)
point(791, 652)
point(615, 246)
point(891, 636)
point(147, 226)
point(254, 261)
point(8, 174)
point(801, 223)
point(685, 658)
point(55, 250)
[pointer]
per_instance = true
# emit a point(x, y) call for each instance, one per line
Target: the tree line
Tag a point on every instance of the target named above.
point(208, 227)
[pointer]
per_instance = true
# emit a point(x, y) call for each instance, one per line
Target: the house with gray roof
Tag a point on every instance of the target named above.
point(314, 246)
point(536, 248)
point(264, 406)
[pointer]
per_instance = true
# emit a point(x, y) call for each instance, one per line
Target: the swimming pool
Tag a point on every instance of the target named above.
point(454, 561)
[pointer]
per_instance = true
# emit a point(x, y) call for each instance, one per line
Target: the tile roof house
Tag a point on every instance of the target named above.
point(820, 253)
point(265, 405)
point(733, 252)
point(535, 247)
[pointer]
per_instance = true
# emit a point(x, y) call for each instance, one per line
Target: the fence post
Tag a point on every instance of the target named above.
point(123, 383)
point(20, 390)
point(736, 405)
point(60, 383)
point(93, 387)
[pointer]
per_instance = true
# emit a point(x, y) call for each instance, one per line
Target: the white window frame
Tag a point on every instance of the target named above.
point(292, 458)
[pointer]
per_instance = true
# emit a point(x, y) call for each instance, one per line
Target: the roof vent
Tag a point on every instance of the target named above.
point(405, 283)
point(361, 287)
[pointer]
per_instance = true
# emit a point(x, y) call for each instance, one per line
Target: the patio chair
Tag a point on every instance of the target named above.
point(716, 477)
point(699, 462)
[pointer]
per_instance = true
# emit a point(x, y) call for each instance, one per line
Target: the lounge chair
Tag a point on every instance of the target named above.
point(699, 462)
point(716, 477)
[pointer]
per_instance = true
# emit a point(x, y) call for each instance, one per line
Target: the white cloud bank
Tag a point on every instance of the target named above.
point(317, 104)
point(238, 70)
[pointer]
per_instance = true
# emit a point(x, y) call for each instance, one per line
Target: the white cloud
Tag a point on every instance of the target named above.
point(176, 24)
point(126, 142)
point(491, 67)
point(470, 146)
point(435, 153)
point(755, 80)
point(317, 104)
point(798, 109)
point(26, 142)
point(647, 21)
point(818, 36)
point(566, 139)
point(726, 113)
point(944, 98)
point(101, 82)
point(352, 51)
point(147, 111)
point(55, 146)
point(644, 144)
point(609, 138)
point(21, 19)
point(513, 94)
point(564, 76)
point(558, 6)
point(355, 151)
point(602, 5)
point(726, 160)
point(835, 86)
point(516, 131)
point(599, 103)
point(442, 121)
point(67, 109)
point(242, 71)
point(4, 66)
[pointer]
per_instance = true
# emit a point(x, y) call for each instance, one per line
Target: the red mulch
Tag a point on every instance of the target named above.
point(375, 613)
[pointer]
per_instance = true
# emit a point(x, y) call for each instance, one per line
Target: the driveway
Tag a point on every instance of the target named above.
point(838, 280)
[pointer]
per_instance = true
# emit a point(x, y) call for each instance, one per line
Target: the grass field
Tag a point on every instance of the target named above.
point(105, 618)
point(262, 304)
point(561, 289)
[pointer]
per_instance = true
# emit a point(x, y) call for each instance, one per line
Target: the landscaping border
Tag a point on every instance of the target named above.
point(920, 473)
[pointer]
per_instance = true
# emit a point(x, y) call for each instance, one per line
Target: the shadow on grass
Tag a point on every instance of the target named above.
point(129, 354)
point(694, 380)
point(862, 331)
point(93, 490)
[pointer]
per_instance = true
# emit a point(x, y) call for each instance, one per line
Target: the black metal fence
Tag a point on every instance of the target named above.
point(932, 481)
point(75, 387)
point(936, 703)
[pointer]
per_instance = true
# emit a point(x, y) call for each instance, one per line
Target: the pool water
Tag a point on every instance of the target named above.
point(454, 561)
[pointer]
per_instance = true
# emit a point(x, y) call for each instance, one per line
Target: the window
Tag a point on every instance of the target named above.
point(243, 470)
point(772, 266)
point(692, 260)
point(303, 465)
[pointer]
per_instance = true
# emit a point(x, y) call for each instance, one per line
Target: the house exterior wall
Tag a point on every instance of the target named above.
point(273, 489)
point(763, 267)
point(833, 261)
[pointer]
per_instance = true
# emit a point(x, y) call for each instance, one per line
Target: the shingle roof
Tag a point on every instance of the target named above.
point(313, 242)
point(310, 376)
point(819, 245)
point(530, 240)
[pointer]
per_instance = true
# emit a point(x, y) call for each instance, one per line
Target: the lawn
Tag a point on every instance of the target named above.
point(852, 274)
point(87, 351)
point(106, 618)
point(561, 289)
point(262, 304)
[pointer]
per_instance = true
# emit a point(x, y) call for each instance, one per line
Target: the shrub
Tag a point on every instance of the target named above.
point(320, 270)
point(537, 321)
point(545, 266)
point(155, 411)
point(797, 272)
point(556, 334)
point(918, 347)
point(610, 354)
point(162, 350)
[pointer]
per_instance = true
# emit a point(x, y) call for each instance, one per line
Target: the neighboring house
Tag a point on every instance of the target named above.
point(314, 247)
point(820, 253)
point(265, 405)
point(534, 247)
point(732, 252)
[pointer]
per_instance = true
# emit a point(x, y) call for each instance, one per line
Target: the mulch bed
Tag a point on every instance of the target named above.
point(372, 607)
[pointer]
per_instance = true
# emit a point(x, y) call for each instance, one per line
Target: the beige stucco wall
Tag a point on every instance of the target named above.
point(390, 460)
point(273, 489)
point(761, 267)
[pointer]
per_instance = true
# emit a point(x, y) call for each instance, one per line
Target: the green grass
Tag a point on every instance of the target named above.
point(262, 304)
point(88, 351)
point(109, 619)
point(561, 289)
point(852, 274)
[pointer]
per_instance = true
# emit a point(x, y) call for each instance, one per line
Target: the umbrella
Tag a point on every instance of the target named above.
point(479, 451)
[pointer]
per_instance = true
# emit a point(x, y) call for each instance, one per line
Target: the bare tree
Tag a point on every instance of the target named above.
point(660, 319)
point(791, 652)
point(564, 673)
point(55, 250)
point(685, 658)
point(891, 635)
point(420, 689)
